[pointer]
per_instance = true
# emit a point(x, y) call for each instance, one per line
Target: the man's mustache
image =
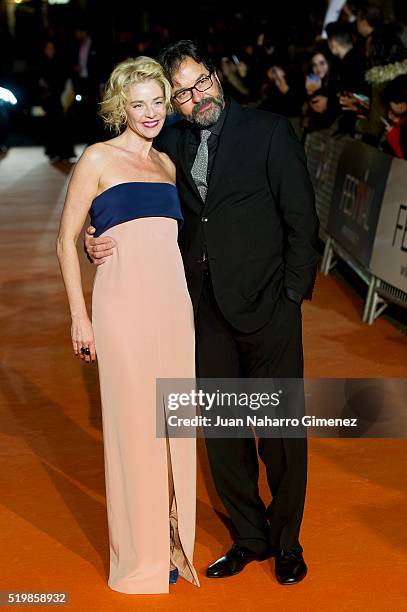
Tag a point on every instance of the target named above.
point(204, 102)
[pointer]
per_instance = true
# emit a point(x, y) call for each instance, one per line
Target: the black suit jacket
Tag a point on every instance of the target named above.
point(259, 220)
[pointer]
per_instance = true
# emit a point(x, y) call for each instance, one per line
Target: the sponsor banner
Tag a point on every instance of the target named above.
point(359, 188)
point(389, 256)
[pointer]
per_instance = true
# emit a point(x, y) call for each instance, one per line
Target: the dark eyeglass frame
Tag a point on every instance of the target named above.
point(191, 89)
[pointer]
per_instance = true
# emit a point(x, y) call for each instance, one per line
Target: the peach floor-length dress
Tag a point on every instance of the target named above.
point(143, 324)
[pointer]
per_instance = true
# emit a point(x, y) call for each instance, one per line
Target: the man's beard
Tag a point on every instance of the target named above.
point(210, 116)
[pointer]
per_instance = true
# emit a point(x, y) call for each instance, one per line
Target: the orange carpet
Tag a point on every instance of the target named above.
point(53, 532)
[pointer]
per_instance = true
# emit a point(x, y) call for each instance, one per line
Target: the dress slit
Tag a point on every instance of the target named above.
point(178, 557)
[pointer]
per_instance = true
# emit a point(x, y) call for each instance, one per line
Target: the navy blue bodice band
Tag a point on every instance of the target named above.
point(133, 200)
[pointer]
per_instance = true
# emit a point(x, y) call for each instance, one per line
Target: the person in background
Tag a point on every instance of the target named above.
point(281, 94)
point(321, 108)
point(52, 78)
point(233, 83)
point(369, 19)
point(395, 121)
point(400, 16)
point(341, 10)
point(349, 11)
point(387, 59)
point(86, 66)
point(350, 71)
point(351, 67)
point(333, 12)
point(265, 50)
point(250, 56)
point(88, 80)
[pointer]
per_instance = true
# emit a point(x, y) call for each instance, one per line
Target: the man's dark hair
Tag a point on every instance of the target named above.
point(373, 15)
point(340, 32)
point(172, 56)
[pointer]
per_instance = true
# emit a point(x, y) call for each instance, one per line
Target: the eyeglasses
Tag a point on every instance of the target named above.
point(185, 95)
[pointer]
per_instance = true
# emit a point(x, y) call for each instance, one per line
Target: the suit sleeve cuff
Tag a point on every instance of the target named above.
point(294, 295)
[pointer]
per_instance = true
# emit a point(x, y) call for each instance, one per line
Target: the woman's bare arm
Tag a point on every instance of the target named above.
point(82, 189)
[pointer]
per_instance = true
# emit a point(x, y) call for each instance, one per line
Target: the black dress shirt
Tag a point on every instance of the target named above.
point(213, 140)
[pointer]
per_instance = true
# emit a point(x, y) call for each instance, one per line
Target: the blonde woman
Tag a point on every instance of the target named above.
point(141, 329)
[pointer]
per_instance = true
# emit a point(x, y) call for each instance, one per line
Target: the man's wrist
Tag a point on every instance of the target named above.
point(293, 295)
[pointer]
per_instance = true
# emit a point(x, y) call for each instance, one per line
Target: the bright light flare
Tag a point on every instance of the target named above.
point(7, 96)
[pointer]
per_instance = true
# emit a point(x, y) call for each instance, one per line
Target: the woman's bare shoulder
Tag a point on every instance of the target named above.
point(95, 153)
point(94, 159)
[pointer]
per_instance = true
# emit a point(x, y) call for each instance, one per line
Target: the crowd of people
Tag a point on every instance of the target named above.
point(349, 76)
point(353, 80)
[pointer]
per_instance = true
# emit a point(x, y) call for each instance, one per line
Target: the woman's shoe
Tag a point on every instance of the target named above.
point(173, 576)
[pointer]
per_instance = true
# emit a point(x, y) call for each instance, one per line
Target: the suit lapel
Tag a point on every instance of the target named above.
point(229, 141)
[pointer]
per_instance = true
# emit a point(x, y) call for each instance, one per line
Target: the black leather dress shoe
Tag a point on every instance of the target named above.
point(233, 562)
point(290, 566)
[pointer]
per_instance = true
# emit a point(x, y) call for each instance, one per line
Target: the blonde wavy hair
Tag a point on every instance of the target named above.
point(125, 74)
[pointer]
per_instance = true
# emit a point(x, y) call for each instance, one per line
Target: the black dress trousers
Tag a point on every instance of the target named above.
point(274, 351)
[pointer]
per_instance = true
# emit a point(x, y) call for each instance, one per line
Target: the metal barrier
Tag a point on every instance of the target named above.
point(360, 198)
point(323, 153)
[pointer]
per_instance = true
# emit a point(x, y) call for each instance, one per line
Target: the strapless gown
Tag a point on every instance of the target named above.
point(143, 324)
